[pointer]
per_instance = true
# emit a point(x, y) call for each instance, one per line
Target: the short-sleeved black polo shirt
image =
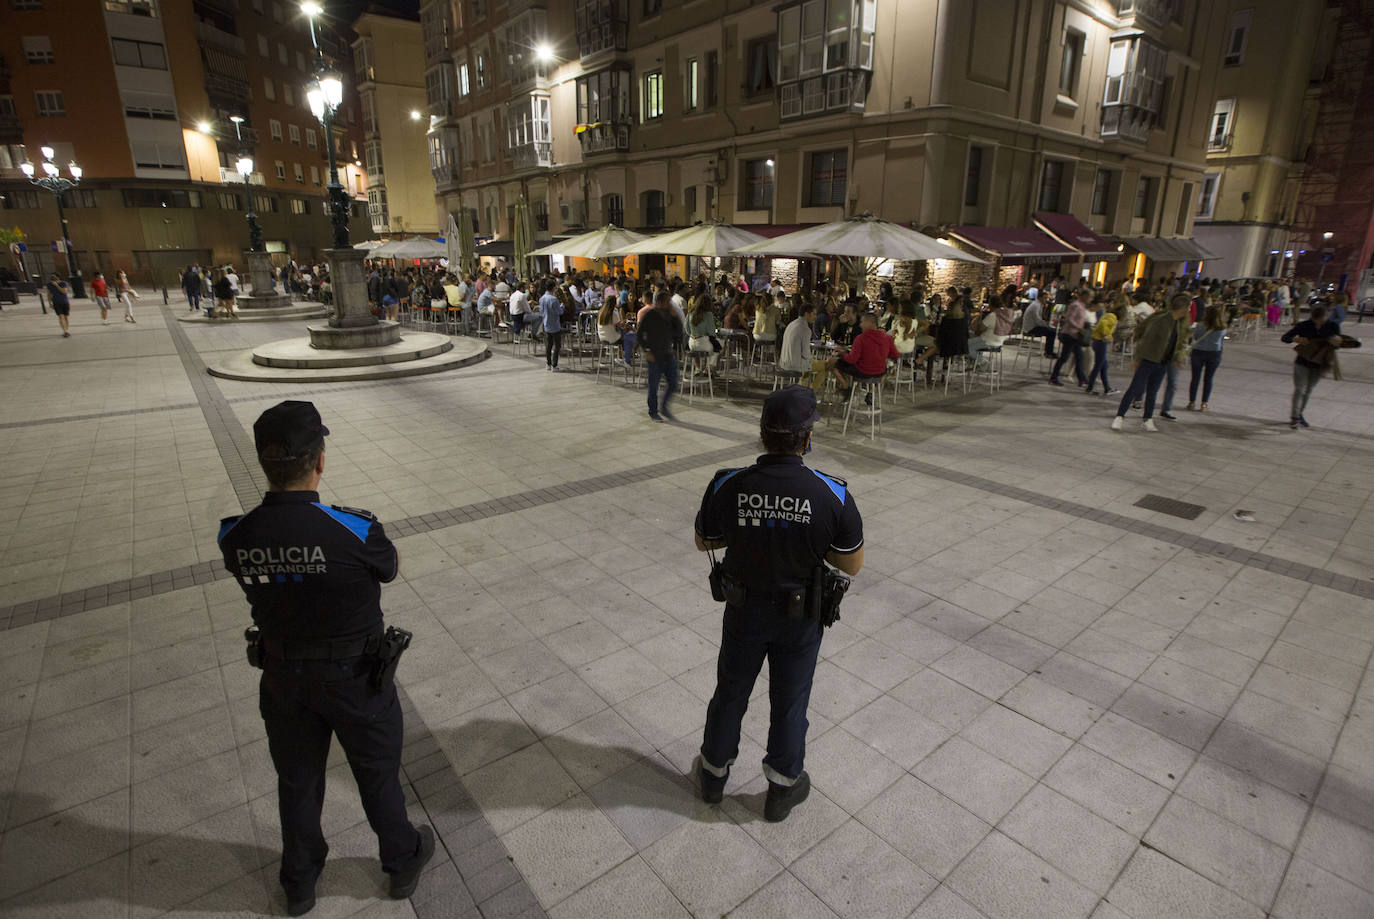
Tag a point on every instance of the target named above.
point(778, 519)
point(311, 571)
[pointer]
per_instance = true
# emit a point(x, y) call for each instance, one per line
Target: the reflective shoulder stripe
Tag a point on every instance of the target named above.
point(356, 525)
point(227, 524)
point(838, 487)
point(715, 486)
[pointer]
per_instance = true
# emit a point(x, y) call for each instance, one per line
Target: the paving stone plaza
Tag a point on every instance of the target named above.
point(1041, 701)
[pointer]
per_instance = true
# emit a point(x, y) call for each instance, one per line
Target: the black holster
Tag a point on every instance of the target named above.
point(828, 587)
point(393, 644)
point(253, 636)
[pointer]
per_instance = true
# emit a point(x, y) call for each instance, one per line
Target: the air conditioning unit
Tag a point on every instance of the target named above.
point(572, 213)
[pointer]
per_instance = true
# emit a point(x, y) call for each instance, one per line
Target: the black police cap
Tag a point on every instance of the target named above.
point(293, 425)
point(790, 409)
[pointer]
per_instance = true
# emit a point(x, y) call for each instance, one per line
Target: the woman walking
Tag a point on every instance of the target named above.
point(126, 295)
point(1104, 330)
point(1072, 327)
point(1207, 338)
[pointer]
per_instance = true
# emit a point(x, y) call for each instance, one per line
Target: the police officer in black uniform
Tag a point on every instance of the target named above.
point(777, 520)
point(313, 574)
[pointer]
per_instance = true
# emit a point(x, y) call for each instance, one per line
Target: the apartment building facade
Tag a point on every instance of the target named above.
point(934, 113)
point(1267, 69)
point(390, 76)
point(140, 93)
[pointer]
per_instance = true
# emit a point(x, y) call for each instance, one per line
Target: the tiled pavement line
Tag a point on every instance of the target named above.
point(237, 400)
point(472, 874)
point(1251, 559)
point(102, 595)
point(1326, 773)
point(235, 449)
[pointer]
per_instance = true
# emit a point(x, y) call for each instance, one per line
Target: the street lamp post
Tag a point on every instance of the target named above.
point(59, 186)
point(352, 324)
point(244, 165)
point(325, 94)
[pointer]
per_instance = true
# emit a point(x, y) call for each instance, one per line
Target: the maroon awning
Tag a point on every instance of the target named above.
point(1016, 245)
point(1071, 231)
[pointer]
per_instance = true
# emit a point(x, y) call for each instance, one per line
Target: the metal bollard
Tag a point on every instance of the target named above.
point(165, 301)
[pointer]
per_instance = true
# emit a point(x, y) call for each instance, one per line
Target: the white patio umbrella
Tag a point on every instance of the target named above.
point(597, 244)
point(411, 248)
point(369, 244)
point(711, 239)
point(861, 236)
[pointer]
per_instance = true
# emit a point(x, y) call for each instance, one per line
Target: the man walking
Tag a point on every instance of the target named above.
point(659, 334)
point(551, 312)
point(1161, 339)
point(313, 574)
point(778, 521)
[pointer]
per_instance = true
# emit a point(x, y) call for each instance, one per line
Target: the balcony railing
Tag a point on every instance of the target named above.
point(232, 177)
point(533, 154)
point(1131, 106)
point(214, 37)
point(606, 138)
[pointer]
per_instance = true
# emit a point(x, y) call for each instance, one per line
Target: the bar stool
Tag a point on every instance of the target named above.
point(990, 365)
point(872, 405)
point(958, 364)
point(697, 373)
point(904, 374)
point(783, 378)
point(607, 354)
point(765, 353)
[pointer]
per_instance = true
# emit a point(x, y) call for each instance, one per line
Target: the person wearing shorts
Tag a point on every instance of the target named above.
point(61, 303)
point(101, 292)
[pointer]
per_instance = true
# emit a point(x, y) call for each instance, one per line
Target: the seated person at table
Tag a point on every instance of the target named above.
point(994, 327)
point(910, 332)
point(794, 355)
point(610, 324)
point(846, 328)
point(767, 319)
point(868, 356)
point(520, 308)
point(701, 327)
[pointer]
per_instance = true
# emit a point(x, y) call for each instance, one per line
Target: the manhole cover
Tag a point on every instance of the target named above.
point(1171, 507)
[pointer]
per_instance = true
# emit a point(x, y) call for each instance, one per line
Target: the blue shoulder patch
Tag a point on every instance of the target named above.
point(715, 486)
point(356, 525)
point(838, 487)
point(227, 524)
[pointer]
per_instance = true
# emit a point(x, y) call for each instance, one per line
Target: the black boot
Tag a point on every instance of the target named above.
point(712, 786)
point(782, 798)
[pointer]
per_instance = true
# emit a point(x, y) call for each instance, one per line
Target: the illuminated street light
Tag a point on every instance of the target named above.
point(52, 181)
point(244, 165)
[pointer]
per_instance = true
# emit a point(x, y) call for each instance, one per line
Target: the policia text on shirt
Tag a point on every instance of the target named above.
point(779, 523)
point(313, 574)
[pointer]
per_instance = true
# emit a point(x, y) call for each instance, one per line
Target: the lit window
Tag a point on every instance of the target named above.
point(653, 95)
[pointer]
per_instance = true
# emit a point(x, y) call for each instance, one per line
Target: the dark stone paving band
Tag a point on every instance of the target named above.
point(1359, 587)
point(80, 601)
point(231, 440)
point(472, 874)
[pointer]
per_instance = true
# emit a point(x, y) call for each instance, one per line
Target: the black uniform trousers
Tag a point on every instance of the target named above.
point(303, 703)
point(750, 635)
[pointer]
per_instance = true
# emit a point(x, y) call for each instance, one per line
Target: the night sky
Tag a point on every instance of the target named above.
point(348, 10)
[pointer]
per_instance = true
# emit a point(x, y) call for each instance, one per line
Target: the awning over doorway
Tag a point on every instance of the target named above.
point(1016, 245)
point(1161, 249)
point(1071, 231)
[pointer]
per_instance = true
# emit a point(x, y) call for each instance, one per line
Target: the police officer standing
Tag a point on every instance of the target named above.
point(313, 574)
point(778, 521)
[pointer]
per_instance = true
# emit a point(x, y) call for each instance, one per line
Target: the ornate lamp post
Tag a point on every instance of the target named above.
point(325, 94)
point(352, 324)
point(244, 165)
point(59, 186)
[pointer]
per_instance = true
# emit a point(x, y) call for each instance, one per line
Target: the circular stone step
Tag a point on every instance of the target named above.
point(299, 354)
point(299, 310)
point(461, 353)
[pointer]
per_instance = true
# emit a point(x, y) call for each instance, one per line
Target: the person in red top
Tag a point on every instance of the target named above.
point(101, 291)
point(867, 356)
